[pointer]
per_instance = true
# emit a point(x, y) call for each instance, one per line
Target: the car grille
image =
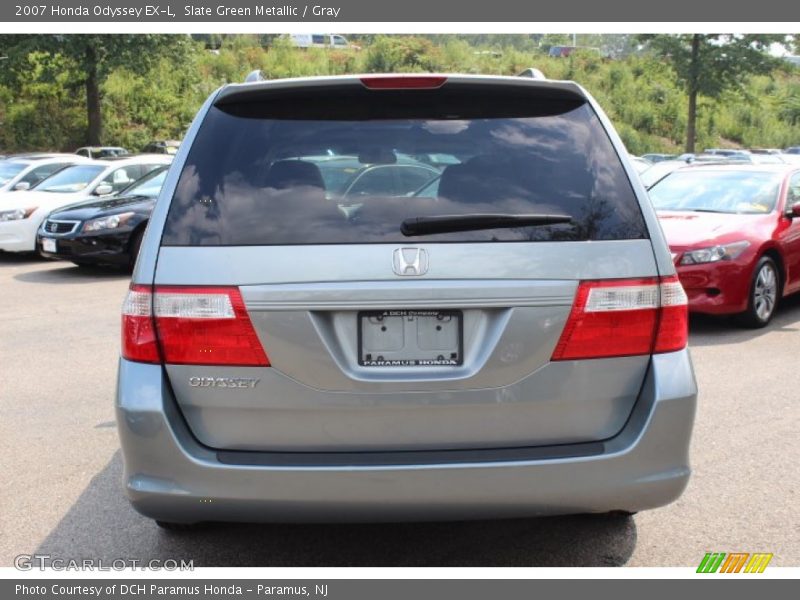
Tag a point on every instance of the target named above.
point(60, 227)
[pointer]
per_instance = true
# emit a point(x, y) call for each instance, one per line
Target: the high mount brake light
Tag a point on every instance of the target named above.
point(625, 318)
point(189, 325)
point(400, 82)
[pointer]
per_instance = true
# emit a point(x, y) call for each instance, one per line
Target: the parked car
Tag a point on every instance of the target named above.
point(106, 231)
point(20, 174)
point(741, 158)
point(660, 170)
point(102, 152)
point(515, 345)
point(727, 152)
point(710, 157)
point(21, 213)
point(654, 158)
point(566, 51)
point(321, 40)
point(768, 159)
point(640, 164)
point(734, 235)
point(792, 150)
point(162, 147)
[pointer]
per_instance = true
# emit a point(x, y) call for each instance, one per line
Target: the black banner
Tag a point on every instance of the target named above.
point(387, 589)
point(245, 11)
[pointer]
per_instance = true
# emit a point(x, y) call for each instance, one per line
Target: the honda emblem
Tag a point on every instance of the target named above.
point(410, 262)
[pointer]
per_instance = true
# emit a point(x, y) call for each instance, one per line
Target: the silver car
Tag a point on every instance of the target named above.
point(499, 333)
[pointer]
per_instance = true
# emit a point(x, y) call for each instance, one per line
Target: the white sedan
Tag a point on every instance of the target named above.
point(21, 213)
point(24, 172)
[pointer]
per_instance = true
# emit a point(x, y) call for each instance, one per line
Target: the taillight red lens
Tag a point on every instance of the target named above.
point(206, 326)
point(673, 326)
point(399, 82)
point(624, 318)
point(138, 332)
point(200, 326)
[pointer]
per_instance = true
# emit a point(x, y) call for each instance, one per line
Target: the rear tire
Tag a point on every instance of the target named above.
point(765, 288)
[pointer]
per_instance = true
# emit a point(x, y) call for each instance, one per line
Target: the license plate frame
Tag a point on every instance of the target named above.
point(439, 326)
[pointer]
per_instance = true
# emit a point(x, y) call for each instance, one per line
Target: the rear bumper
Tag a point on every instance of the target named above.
point(169, 476)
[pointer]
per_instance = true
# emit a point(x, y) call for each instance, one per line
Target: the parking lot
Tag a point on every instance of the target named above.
point(62, 467)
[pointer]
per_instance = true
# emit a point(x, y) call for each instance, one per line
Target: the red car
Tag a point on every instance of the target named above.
point(734, 232)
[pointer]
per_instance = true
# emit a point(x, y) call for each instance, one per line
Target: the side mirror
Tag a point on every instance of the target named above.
point(104, 189)
point(794, 211)
point(22, 186)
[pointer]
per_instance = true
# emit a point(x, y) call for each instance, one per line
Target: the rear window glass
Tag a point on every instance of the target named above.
point(347, 170)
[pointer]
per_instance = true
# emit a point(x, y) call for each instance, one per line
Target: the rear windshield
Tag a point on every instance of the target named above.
point(333, 170)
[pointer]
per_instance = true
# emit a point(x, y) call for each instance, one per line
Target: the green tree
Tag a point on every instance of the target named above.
point(710, 64)
point(93, 58)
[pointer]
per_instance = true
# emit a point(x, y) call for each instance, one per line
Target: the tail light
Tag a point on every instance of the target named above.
point(400, 82)
point(190, 326)
point(138, 329)
point(625, 318)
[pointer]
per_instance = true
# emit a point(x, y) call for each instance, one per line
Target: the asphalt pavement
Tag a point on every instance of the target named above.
point(61, 467)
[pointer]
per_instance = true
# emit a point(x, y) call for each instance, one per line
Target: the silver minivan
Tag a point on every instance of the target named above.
point(489, 327)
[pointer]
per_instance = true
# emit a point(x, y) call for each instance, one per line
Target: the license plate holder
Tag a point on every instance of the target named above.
point(410, 338)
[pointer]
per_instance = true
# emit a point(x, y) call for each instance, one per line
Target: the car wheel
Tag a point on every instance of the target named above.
point(170, 526)
point(764, 293)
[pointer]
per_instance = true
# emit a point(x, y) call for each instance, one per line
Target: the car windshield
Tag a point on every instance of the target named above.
point(71, 180)
point(659, 170)
point(743, 192)
point(9, 170)
point(149, 186)
point(310, 176)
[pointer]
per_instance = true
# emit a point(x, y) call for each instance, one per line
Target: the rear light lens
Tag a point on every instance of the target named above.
point(673, 326)
point(138, 330)
point(400, 82)
point(192, 326)
point(625, 318)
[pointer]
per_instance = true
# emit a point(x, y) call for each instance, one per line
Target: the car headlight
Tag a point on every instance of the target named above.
point(112, 222)
point(714, 253)
point(17, 214)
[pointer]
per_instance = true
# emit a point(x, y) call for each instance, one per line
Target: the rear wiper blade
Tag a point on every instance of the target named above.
point(475, 221)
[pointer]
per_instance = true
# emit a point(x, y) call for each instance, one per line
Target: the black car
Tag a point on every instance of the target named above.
point(107, 231)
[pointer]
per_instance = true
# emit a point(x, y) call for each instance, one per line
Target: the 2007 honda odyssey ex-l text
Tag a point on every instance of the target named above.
point(387, 298)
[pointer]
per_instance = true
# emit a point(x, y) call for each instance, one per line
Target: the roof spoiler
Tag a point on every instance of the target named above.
point(532, 73)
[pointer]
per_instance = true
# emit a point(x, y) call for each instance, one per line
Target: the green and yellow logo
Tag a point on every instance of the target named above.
point(734, 562)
